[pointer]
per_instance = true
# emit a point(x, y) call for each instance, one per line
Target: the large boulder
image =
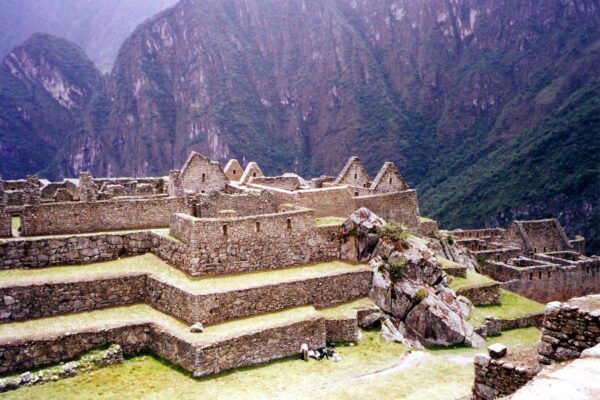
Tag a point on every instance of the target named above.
point(434, 323)
point(360, 230)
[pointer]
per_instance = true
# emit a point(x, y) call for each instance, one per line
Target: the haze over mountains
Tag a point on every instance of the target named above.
point(491, 108)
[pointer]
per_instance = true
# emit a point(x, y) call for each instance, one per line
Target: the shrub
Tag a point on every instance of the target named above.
point(421, 294)
point(394, 232)
point(396, 269)
point(450, 240)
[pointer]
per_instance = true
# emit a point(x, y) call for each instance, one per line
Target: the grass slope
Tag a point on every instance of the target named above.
point(436, 376)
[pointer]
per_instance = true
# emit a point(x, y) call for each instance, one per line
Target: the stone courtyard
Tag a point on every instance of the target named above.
point(216, 269)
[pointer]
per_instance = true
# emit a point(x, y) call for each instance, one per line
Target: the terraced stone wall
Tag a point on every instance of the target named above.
point(222, 306)
point(44, 252)
point(253, 348)
point(99, 216)
point(342, 330)
point(36, 301)
point(26, 354)
point(327, 202)
point(569, 328)
point(261, 347)
point(400, 207)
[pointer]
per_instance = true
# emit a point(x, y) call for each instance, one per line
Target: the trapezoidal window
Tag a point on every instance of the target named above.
point(224, 230)
point(355, 176)
point(289, 224)
point(234, 172)
point(257, 226)
point(530, 276)
point(390, 180)
point(254, 174)
point(203, 177)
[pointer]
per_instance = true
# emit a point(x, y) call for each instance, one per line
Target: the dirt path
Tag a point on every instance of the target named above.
point(407, 361)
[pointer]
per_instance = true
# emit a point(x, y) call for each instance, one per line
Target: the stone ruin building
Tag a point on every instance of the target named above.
point(535, 259)
point(215, 243)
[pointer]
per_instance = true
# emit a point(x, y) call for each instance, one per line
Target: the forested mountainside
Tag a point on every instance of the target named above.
point(489, 107)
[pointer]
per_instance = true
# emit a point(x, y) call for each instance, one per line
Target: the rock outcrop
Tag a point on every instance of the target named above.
point(409, 284)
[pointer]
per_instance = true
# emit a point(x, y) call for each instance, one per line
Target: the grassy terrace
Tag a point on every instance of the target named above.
point(445, 263)
point(329, 221)
point(153, 266)
point(512, 306)
point(142, 314)
point(347, 310)
point(373, 369)
point(472, 279)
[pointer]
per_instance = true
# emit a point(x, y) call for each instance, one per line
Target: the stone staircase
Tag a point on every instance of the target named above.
point(143, 304)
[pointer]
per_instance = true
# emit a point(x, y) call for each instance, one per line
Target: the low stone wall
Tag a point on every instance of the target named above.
point(500, 377)
point(482, 295)
point(99, 216)
point(400, 207)
point(44, 252)
point(495, 326)
point(341, 330)
point(27, 354)
point(569, 328)
point(88, 362)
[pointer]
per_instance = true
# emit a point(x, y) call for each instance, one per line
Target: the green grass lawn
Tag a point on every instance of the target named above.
point(512, 306)
point(472, 279)
point(445, 263)
point(155, 267)
point(141, 313)
point(436, 376)
point(328, 221)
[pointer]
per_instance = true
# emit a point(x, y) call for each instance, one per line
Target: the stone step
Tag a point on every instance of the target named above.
point(29, 344)
point(27, 294)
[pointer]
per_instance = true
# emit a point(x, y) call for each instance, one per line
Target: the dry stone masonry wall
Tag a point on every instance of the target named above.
point(569, 328)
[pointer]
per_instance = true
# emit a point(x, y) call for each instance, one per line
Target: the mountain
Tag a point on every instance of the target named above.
point(98, 26)
point(489, 107)
point(45, 84)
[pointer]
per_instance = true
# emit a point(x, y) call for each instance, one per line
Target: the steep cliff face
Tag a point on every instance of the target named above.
point(44, 86)
point(98, 26)
point(489, 107)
